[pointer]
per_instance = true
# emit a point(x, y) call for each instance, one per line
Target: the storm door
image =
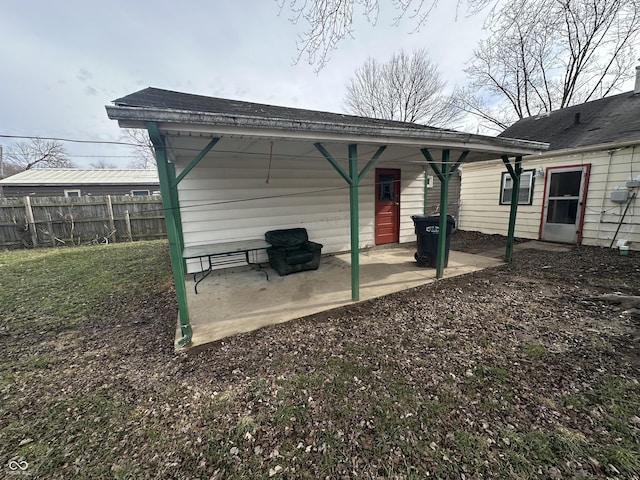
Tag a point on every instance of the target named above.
point(563, 212)
point(387, 205)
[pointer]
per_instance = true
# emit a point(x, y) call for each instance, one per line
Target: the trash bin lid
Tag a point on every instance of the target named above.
point(432, 219)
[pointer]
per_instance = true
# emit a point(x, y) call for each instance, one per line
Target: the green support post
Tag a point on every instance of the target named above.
point(352, 177)
point(444, 203)
point(355, 222)
point(166, 175)
point(196, 160)
point(516, 174)
point(171, 169)
point(444, 173)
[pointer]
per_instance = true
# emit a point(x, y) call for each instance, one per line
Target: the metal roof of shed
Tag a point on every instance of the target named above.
point(74, 176)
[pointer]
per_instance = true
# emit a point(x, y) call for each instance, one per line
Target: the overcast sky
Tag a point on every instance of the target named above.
point(62, 62)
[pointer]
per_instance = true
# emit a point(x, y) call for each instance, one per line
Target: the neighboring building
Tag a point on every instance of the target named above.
point(72, 182)
point(583, 190)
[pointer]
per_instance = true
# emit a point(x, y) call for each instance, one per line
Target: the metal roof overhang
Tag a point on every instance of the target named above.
point(177, 122)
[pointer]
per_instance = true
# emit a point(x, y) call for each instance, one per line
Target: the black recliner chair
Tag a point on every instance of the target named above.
point(291, 251)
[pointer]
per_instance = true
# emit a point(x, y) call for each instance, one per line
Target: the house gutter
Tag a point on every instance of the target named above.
point(577, 151)
point(257, 127)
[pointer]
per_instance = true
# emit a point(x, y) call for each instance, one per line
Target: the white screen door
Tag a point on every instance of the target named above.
point(564, 200)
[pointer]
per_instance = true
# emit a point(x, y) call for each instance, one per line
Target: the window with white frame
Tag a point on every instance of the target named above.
point(526, 188)
point(139, 193)
point(72, 193)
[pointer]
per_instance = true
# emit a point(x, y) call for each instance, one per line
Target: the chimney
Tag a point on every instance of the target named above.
point(637, 88)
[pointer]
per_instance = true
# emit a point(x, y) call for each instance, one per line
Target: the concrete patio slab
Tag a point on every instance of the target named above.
point(235, 301)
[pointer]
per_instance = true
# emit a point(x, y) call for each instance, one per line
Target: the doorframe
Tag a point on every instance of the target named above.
point(397, 171)
point(583, 199)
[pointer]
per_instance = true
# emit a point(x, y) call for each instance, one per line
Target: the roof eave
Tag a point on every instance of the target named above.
point(242, 125)
point(608, 146)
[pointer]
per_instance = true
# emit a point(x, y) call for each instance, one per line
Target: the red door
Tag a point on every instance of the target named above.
point(387, 222)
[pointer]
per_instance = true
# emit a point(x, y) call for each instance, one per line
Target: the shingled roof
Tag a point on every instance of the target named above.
point(177, 113)
point(167, 99)
point(611, 119)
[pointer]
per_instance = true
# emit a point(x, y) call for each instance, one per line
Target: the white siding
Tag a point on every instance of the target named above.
point(226, 197)
point(480, 210)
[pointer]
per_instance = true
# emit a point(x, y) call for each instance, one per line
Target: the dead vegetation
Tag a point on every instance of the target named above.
point(521, 371)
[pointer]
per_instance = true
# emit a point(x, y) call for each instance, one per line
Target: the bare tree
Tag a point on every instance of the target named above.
point(102, 164)
point(36, 153)
point(328, 22)
point(408, 88)
point(139, 140)
point(491, 118)
point(548, 54)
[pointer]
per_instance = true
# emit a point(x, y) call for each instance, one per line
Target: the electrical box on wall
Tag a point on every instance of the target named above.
point(619, 195)
point(429, 181)
point(633, 184)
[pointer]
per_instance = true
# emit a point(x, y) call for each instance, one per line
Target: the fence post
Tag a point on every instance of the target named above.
point(128, 221)
point(112, 223)
point(30, 221)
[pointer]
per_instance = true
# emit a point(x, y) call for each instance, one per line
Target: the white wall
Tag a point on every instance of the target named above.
point(480, 189)
point(603, 216)
point(226, 197)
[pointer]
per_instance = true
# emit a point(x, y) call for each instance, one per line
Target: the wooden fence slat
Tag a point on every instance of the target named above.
point(38, 221)
point(31, 221)
point(128, 220)
point(112, 224)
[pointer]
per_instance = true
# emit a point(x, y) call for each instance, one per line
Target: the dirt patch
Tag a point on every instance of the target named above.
point(476, 242)
point(514, 372)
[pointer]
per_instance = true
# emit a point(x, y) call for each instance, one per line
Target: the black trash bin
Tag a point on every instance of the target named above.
point(427, 228)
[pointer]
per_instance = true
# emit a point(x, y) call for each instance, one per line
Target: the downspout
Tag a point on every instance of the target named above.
point(426, 191)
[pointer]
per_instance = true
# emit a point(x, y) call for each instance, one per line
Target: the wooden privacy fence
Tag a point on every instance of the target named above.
point(30, 222)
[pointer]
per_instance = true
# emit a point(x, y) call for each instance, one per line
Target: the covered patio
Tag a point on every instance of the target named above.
point(230, 171)
point(244, 301)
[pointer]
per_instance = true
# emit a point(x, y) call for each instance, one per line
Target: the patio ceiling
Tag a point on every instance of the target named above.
point(185, 146)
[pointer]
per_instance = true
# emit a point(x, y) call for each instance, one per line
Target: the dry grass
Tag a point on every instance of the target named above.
point(511, 373)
